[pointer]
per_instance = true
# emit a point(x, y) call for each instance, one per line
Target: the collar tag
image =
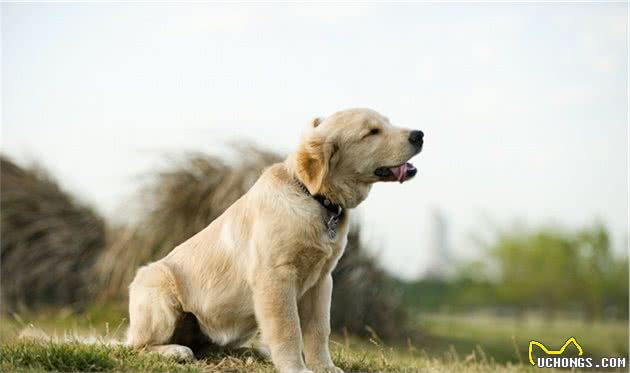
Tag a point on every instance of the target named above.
point(331, 226)
point(333, 211)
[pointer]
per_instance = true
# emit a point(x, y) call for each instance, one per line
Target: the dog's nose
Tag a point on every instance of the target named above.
point(415, 138)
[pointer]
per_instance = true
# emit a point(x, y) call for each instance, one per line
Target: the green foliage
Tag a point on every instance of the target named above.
point(461, 294)
point(561, 270)
point(549, 270)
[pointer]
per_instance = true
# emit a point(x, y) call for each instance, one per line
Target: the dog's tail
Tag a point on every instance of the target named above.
point(34, 334)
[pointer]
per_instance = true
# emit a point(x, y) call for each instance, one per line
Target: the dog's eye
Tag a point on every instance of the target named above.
point(373, 132)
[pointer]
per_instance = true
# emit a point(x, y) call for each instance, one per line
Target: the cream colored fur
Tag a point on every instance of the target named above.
point(267, 261)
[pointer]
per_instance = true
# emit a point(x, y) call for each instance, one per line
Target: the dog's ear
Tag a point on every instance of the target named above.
point(314, 162)
point(316, 122)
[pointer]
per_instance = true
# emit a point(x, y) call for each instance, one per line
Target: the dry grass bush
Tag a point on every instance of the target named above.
point(365, 300)
point(183, 199)
point(49, 241)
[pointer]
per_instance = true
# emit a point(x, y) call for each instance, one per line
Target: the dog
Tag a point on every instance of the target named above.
point(266, 262)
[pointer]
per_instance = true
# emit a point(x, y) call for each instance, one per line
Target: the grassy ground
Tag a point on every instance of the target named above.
point(455, 344)
point(357, 357)
point(507, 338)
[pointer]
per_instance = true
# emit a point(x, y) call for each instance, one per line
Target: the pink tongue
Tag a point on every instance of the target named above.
point(400, 172)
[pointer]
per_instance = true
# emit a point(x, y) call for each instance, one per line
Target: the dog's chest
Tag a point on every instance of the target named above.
point(323, 260)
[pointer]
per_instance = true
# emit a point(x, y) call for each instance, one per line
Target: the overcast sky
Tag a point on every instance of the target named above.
point(524, 105)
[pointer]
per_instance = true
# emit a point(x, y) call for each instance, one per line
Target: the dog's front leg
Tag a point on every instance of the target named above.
point(314, 311)
point(275, 304)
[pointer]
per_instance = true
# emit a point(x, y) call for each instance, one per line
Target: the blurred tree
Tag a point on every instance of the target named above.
point(595, 267)
point(547, 269)
point(555, 270)
point(535, 270)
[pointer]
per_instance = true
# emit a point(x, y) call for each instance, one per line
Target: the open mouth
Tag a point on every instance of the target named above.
point(399, 173)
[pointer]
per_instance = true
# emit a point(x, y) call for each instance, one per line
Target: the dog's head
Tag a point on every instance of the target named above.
point(342, 155)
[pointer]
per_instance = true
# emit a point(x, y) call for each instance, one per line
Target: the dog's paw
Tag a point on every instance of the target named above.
point(176, 352)
point(263, 352)
point(179, 353)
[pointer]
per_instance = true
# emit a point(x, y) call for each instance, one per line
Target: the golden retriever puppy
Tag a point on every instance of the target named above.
point(267, 261)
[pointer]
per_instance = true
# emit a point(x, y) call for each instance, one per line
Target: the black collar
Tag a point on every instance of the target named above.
point(325, 202)
point(334, 212)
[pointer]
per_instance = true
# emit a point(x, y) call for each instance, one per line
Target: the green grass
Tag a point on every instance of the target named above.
point(25, 356)
point(507, 338)
point(75, 357)
point(453, 344)
point(101, 320)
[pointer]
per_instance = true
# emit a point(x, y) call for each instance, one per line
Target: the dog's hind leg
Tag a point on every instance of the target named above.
point(154, 310)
